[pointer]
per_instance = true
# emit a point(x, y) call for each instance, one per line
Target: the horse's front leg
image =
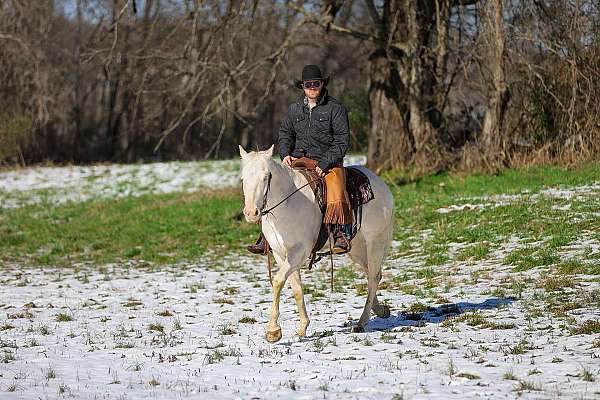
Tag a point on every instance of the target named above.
point(296, 284)
point(273, 328)
point(288, 266)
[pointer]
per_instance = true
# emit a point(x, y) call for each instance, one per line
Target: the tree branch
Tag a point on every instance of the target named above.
point(374, 15)
point(347, 31)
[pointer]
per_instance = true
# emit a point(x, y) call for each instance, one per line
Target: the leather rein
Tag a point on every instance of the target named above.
point(264, 204)
point(264, 212)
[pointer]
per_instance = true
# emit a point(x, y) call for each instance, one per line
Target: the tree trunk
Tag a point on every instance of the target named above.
point(407, 87)
point(78, 140)
point(390, 141)
point(492, 142)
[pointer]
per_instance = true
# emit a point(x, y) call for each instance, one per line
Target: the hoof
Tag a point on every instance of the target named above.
point(384, 312)
point(358, 329)
point(301, 332)
point(274, 336)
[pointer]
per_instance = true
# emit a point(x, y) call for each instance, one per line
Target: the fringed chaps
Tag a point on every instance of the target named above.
point(338, 204)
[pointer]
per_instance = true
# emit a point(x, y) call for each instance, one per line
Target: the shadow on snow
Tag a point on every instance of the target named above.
point(434, 315)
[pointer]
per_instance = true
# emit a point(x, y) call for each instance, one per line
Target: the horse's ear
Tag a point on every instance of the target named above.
point(269, 152)
point(243, 152)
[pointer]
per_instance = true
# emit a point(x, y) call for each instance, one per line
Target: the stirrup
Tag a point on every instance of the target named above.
point(258, 247)
point(342, 244)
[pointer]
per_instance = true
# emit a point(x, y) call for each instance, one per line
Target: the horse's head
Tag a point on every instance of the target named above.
point(255, 181)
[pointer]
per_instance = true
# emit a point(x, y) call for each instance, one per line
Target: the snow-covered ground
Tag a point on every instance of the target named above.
point(94, 333)
point(576, 193)
point(54, 185)
point(469, 329)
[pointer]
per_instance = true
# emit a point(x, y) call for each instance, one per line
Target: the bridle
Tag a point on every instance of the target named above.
point(264, 212)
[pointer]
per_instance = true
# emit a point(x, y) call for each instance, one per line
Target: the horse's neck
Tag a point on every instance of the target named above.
point(284, 181)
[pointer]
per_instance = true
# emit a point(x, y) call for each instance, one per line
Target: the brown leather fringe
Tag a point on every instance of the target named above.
point(338, 212)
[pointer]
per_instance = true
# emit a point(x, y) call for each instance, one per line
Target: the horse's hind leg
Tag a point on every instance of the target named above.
point(296, 285)
point(359, 256)
point(381, 310)
point(375, 253)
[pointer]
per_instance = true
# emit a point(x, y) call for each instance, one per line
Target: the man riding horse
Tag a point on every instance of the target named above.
point(315, 132)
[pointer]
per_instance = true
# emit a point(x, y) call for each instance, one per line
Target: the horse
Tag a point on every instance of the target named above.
point(293, 226)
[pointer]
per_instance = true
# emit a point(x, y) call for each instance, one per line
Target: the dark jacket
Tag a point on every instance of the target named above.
point(321, 133)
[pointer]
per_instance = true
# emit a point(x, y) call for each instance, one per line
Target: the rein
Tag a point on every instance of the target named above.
point(265, 212)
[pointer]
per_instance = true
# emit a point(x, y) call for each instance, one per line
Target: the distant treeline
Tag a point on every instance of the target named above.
point(430, 84)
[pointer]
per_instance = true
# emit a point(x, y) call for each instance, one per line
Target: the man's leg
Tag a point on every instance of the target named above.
point(338, 213)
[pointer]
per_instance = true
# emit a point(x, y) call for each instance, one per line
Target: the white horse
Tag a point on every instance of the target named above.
point(293, 227)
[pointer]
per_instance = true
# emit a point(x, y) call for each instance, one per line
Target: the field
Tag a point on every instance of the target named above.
point(131, 282)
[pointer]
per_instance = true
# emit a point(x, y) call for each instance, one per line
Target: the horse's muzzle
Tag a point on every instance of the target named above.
point(252, 216)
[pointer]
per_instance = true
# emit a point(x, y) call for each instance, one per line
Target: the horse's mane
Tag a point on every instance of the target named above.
point(273, 165)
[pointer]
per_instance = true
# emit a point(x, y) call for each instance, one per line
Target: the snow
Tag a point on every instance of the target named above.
point(55, 185)
point(572, 193)
point(108, 351)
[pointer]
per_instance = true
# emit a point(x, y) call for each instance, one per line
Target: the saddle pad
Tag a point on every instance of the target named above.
point(358, 187)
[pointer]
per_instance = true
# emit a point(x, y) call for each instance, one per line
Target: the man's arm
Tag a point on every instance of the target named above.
point(287, 135)
point(341, 139)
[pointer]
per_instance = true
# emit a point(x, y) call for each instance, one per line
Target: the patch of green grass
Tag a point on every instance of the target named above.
point(63, 317)
point(156, 327)
point(417, 308)
point(509, 376)
point(222, 300)
point(436, 255)
point(527, 386)
point(345, 274)
point(519, 348)
point(163, 229)
point(426, 273)
point(555, 283)
point(155, 228)
point(477, 252)
point(588, 327)
point(574, 266)
point(571, 267)
point(586, 375)
point(7, 357)
point(530, 257)
point(468, 375)
point(226, 330)
point(164, 313)
point(424, 196)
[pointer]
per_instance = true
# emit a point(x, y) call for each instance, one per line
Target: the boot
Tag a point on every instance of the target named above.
point(259, 246)
point(341, 244)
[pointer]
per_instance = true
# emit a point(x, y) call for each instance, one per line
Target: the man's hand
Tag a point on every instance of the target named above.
point(287, 160)
point(320, 172)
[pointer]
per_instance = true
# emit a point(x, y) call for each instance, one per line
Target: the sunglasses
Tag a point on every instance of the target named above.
point(312, 84)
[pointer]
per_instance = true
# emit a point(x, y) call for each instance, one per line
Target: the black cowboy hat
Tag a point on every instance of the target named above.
point(310, 73)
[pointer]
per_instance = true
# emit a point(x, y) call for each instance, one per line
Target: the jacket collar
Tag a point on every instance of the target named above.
point(303, 101)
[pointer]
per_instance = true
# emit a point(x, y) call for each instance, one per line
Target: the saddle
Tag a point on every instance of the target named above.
point(359, 192)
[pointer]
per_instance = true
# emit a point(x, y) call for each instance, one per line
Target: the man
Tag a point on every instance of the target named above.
point(316, 128)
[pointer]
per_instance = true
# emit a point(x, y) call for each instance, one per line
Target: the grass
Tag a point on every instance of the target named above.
point(63, 317)
point(247, 320)
point(158, 229)
point(588, 327)
point(162, 229)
